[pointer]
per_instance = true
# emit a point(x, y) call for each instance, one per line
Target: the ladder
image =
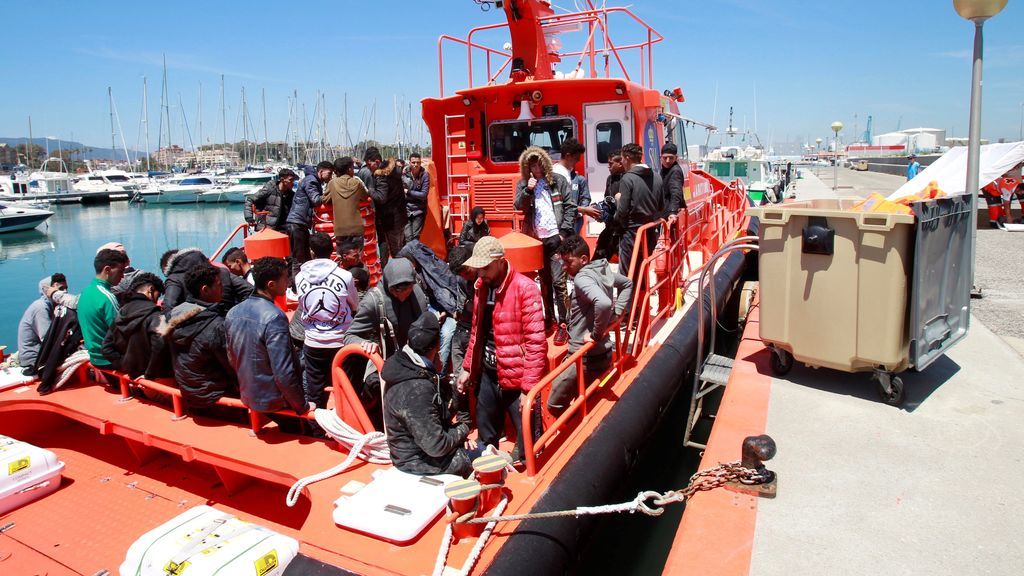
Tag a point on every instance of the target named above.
point(712, 371)
point(456, 167)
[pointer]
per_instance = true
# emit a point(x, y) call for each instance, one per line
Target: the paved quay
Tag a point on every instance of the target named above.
point(931, 487)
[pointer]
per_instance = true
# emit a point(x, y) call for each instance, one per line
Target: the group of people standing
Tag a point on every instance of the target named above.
point(471, 325)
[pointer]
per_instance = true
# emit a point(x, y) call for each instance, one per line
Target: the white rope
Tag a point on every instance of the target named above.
point(474, 554)
point(70, 365)
point(371, 447)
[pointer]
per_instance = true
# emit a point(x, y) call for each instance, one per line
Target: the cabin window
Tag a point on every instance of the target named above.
point(741, 169)
point(609, 137)
point(508, 139)
point(719, 169)
point(117, 178)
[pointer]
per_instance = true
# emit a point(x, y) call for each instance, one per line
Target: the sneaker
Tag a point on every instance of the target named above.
point(29, 371)
point(562, 336)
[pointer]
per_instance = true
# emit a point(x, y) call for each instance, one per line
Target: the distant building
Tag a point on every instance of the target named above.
point(912, 140)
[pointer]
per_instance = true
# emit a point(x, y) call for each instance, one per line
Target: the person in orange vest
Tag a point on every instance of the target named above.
point(993, 194)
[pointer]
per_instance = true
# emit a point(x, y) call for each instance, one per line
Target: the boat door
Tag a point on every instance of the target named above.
point(606, 127)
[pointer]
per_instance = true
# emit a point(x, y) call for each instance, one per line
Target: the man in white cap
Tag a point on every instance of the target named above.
point(508, 351)
point(129, 272)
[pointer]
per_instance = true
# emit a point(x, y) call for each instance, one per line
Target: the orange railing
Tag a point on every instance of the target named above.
point(707, 223)
point(243, 228)
point(343, 396)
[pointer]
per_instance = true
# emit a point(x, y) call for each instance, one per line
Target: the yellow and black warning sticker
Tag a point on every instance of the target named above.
point(15, 466)
point(266, 564)
point(174, 569)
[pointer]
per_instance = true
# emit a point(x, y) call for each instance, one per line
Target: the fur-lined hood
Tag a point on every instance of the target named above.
point(386, 169)
point(183, 260)
point(545, 162)
point(179, 315)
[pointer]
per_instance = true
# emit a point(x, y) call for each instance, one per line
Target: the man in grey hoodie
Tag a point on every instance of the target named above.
point(594, 306)
point(35, 322)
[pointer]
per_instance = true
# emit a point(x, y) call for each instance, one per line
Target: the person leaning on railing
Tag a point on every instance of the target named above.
point(594, 306)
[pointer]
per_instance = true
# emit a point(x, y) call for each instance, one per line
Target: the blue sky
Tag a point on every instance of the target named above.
point(905, 62)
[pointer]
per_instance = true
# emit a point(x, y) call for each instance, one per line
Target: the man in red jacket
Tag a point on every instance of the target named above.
point(507, 351)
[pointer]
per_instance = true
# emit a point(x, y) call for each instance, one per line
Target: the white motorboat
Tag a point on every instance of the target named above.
point(109, 181)
point(183, 190)
point(40, 183)
point(14, 217)
point(247, 183)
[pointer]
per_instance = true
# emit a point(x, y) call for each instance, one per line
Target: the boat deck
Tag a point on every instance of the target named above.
point(863, 487)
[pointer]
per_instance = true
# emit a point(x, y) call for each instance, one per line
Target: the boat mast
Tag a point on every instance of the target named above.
point(200, 113)
point(223, 117)
point(266, 137)
point(114, 115)
point(110, 108)
point(28, 151)
point(145, 119)
point(166, 102)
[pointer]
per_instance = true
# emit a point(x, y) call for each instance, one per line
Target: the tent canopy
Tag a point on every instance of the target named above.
point(950, 169)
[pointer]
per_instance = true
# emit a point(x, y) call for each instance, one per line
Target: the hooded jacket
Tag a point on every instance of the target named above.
point(439, 283)
point(388, 194)
point(419, 189)
point(418, 410)
point(309, 194)
point(260, 350)
point(641, 199)
point(134, 343)
point(236, 289)
point(197, 341)
point(593, 307)
point(565, 209)
point(381, 317)
point(34, 325)
point(471, 233)
point(327, 301)
point(345, 193)
point(518, 326)
point(672, 180)
point(269, 199)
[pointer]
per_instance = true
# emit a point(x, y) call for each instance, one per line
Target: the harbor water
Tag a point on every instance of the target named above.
point(67, 243)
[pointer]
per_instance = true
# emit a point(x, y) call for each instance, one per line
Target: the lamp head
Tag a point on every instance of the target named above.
point(837, 126)
point(978, 10)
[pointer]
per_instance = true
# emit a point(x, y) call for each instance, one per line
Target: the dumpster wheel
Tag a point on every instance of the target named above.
point(890, 388)
point(780, 361)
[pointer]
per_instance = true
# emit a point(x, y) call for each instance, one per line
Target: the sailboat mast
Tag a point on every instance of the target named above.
point(110, 107)
point(245, 126)
point(266, 137)
point(200, 113)
point(145, 119)
point(28, 151)
point(223, 116)
point(167, 106)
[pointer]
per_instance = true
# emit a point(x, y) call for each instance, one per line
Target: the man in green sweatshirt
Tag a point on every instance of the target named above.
point(97, 305)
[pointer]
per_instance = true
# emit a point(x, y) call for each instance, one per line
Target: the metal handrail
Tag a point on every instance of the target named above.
point(244, 228)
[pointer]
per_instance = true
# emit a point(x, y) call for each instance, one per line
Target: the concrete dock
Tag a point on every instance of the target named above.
point(931, 487)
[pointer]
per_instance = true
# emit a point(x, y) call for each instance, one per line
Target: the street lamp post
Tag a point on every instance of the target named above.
point(836, 127)
point(977, 11)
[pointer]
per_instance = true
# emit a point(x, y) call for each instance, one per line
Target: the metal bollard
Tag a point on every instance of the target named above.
point(490, 472)
point(464, 498)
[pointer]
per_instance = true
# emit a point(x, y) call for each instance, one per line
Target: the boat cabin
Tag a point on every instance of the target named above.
point(534, 91)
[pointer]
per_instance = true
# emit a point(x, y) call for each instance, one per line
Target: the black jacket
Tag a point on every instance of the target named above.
point(672, 180)
point(269, 199)
point(62, 339)
point(195, 335)
point(236, 289)
point(134, 344)
point(418, 413)
point(388, 193)
point(641, 199)
point(471, 233)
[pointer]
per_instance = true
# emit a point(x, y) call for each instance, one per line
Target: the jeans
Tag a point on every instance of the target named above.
point(414, 227)
point(317, 373)
point(552, 282)
point(460, 341)
point(447, 333)
point(492, 405)
point(626, 253)
point(565, 389)
point(390, 237)
point(298, 238)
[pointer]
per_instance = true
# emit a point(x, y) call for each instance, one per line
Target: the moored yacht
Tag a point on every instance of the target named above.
point(15, 216)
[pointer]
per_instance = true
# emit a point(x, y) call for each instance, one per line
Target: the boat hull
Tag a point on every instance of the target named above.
point(22, 222)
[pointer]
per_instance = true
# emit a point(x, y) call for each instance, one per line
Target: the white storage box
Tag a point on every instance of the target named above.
point(395, 506)
point(27, 473)
point(203, 541)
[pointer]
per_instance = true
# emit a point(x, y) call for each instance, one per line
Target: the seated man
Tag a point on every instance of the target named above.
point(35, 322)
point(419, 408)
point(135, 344)
point(385, 314)
point(591, 312)
point(196, 337)
point(259, 348)
point(97, 305)
point(177, 263)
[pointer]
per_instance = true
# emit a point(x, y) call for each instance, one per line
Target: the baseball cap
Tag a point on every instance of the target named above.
point(486, 250)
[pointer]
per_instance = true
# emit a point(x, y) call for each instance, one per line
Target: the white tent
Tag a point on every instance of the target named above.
point(950, 169)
